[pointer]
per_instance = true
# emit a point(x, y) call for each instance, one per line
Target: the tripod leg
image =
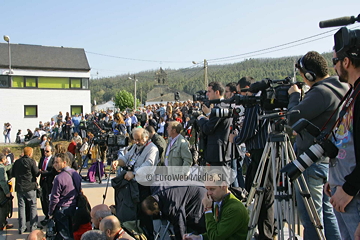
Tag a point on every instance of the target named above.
point(310, 206)
point(257, 190)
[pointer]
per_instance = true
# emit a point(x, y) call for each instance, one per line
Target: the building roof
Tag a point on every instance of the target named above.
point(42, 57)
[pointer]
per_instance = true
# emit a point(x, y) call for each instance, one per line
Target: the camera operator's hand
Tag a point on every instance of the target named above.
point(129, 175)
point(8, 195)
point(340, 199)
point(231, 137)
point(205, 109)
point(294, 88)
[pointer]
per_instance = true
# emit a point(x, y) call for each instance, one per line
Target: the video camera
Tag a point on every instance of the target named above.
point(322, 147)
point(274, 94)
point(345, 39)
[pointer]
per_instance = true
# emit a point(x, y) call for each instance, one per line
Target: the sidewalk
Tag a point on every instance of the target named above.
point(94, 192)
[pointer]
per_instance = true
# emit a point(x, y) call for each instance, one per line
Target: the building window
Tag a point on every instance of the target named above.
point(75, 83)
point(4, 81)
point(76, 109)
point(53, 82)
point(30, 82)
point(30, 111)
point(17, 82)
point(85, 83)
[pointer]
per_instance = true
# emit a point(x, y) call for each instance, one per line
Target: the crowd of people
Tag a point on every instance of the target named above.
point(160, 137)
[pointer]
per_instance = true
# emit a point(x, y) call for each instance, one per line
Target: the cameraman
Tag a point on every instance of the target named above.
point(254, 133)
point(344, 171)
point(319, 103)
point(216, 129)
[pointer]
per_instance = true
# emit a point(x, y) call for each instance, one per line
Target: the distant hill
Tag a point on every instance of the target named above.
point(191, 80)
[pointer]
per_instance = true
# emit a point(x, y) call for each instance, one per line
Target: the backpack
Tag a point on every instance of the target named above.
point(83, 208)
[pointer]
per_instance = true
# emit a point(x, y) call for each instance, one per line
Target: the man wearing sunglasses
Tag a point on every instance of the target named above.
point(48, 173)
point(344, 185)
point(317, 106)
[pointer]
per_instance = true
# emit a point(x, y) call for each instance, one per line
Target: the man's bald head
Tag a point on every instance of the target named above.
point(36, 235)
point(110, 226)
point(98, 212)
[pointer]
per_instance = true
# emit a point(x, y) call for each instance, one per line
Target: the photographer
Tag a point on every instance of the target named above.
point(254, 133)
point(143, 154)
point(216, 129)
point(319, 103)
point(344, 171)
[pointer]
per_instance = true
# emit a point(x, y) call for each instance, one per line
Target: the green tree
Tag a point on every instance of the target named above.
point(124, 99)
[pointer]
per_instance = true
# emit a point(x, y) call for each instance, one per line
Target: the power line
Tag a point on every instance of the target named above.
point(135, 59)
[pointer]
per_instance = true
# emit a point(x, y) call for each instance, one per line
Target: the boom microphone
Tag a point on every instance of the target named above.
point(337, 22)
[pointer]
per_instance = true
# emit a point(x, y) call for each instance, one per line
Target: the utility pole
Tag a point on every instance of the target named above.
point(135, 80)
point(205, 74)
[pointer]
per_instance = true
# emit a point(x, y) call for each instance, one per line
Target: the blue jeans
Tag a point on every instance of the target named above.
point(237, 167)
point(315, 177)
point(63, 222)
point(349, 220)
point(86, 159)
point(7, 136)
point(30, 198)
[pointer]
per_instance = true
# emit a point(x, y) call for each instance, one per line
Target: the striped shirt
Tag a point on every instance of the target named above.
point(254, 132)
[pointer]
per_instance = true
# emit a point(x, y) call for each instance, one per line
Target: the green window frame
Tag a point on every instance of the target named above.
point(76, 109)
point(30, 111)
point(31, 82)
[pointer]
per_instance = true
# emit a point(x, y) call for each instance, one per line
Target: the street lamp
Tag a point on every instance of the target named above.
point(205, 73)
point(7, 39)
point(135, 80)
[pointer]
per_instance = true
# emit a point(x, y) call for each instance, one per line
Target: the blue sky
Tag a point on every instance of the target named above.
point(172, 34)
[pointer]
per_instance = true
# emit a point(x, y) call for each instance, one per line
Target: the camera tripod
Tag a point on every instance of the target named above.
point(277, 153)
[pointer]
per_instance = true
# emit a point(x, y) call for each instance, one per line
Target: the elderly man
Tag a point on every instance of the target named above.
point(98, 213)
point(177, 152)
point(66, 188)
point(111, 227)
point(144, 153)
point(25, 172)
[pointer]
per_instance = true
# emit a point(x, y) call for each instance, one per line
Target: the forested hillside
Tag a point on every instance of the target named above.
point(190, 80)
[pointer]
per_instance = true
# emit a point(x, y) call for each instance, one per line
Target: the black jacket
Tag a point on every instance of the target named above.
point(160, 143)
point(126, 197)
point(47, 177)
point(217, 131)
point(181, 206)
point(352, 183)
point(25, 172)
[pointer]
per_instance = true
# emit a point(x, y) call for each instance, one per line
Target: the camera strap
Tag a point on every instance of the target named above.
point(347, 100)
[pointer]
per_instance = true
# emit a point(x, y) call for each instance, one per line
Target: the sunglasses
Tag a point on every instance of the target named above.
point(47, 151)
point(336, 60)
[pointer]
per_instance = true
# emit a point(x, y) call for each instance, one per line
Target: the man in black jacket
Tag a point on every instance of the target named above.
point(25, 172)
point(159, 141)
point(46, 180)
point(181, 205)
point(216, 129)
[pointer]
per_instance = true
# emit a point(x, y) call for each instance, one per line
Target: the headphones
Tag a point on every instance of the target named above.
point(309, 75)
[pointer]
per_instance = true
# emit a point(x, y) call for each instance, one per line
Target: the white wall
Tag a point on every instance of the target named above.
point(49, 103)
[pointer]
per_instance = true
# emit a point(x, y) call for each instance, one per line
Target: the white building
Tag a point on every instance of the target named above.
point(43, 81)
